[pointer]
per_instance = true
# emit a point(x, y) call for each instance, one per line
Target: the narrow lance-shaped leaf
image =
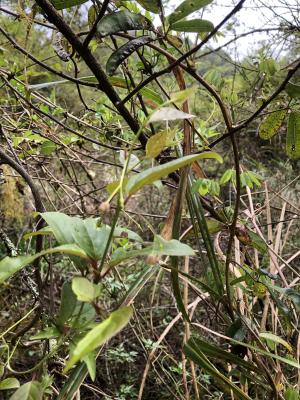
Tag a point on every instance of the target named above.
point(194, 25)
point(271, 124)
point(100, 334)
point(276, 339)
point(293, 136)
point(124, 52)
point(153, 174)
point(122, 21)
point(186, 8)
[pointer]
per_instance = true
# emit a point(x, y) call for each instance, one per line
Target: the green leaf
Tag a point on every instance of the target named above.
point(183, 95)
point(29, 391)
point(194, 25)
point(90, 362)
point(124, 52)
point(257, 242)
point(122, 21)
point(271, 124)
point(85, 290)
point(150, 5)
point(226, 176)
point(151, 175)
point(169, 114)
point(293, 90)
point(159, 247)
point(48, 333)
point(186, 8)
point(62, 4)
point(291, 394)
point(293, 136)
point(158, 142)
point(48, 147)
point(100, 334)
point(10, 265)
point(171, 247)
point(83, 232)
point(276, 339)
point(9, 383)
point(68, 303)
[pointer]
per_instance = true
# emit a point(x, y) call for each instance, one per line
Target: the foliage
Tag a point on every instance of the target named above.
point(148, 202)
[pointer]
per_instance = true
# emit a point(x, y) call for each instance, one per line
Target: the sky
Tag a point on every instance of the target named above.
point(255, 14)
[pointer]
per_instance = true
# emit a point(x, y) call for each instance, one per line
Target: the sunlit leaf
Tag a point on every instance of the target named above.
point(271, 124)
point(84, 289)
point(48, 147)
point(29, 391)
point(9, 383)
point(151, 175)
point(186, 8)
point(180, 97)
point(158, 142)
point(274, 338)
point(124, 52)
point(194, 25)
point(100, 334)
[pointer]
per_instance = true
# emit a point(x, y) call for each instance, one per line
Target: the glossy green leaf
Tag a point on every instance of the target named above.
point(293, 136)
point(122, 21)
point(29, 391)
point(150, 5)
point(10, 265)
point(151, 175)
point(68, 303)
point(62, 4)
point(124, 52)
point(186, 8)
point(276, 339)
point(169, 114)
point(48, 147)
point(100, 334)
point(293, 90)
point(271, 124)
point(9, 383)
point(194, 25)
point(84, 289)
